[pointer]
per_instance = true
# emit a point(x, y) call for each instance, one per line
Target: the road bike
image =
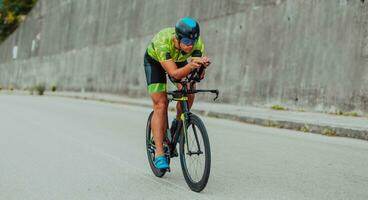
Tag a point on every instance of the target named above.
point(190, 134)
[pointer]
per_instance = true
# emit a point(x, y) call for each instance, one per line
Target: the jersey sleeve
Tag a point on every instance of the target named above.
point(162, 52)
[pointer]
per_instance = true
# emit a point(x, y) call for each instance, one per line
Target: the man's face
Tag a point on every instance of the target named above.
point(186, 48)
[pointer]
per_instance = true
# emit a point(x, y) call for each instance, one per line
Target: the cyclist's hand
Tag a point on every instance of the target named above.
point(195, 63)
point(203, 60)
point(206, 61)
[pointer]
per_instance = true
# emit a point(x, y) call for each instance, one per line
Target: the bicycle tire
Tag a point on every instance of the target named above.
point(150, 149)
point(199, 185)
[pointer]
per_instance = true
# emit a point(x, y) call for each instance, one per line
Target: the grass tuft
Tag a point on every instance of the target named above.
point(278, 107)
point(39, 89)
point(328, 132)
point(53, 88)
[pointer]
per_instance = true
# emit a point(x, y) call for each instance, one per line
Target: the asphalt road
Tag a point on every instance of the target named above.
point(59, 148)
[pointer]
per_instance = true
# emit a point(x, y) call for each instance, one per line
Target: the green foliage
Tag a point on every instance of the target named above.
point(305, 128)
point(352, 114)
point(278, 107)
point(349, 114)
point(270, 123)
point(40, 89)
point(328, 132)
point(12, 13)
point(53, 88)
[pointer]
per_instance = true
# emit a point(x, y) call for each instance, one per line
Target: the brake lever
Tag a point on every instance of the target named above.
point(198, 73)
point(193, 73)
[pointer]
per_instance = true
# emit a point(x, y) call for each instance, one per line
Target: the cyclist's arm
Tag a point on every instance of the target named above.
point(179, 73)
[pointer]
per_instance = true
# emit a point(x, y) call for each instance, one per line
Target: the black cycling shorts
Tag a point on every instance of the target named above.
point(156, 74)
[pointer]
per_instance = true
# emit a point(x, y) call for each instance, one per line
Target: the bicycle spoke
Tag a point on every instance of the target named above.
point(195, 157)
point(196, 137)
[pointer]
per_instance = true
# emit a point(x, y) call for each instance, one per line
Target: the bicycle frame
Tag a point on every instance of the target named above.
point(184, 115)
point(182, 97)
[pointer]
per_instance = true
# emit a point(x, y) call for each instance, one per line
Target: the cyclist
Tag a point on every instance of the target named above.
point(168, 53)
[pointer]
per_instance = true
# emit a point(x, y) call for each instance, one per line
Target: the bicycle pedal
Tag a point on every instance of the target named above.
point(166, 170)
point(174, 153)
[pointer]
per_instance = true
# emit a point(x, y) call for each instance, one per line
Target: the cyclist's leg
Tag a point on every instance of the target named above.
point(156, 81)
point(158, 123)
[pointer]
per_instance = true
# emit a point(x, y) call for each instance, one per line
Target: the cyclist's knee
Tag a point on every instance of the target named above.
point(159, 101)
point(160, 106)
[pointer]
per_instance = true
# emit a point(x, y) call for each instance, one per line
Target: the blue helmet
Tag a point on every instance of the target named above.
point(187, 30)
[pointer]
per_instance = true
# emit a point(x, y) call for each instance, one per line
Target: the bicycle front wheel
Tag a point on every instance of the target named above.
point(195, 154)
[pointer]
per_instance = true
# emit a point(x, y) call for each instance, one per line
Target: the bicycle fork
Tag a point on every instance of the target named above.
point(185, 118)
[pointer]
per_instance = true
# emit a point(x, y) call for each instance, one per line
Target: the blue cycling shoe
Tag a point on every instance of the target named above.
point(161, 162)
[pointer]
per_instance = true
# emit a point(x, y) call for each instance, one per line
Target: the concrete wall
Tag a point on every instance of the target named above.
point(304, 54)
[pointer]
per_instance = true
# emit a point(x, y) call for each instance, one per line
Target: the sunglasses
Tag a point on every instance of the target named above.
point(188, 41)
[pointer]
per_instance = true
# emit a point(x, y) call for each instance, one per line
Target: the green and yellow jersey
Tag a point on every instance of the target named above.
point(162, 47)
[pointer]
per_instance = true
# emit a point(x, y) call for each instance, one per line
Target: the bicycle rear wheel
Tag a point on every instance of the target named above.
point(195, 154)
point(151, 149)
